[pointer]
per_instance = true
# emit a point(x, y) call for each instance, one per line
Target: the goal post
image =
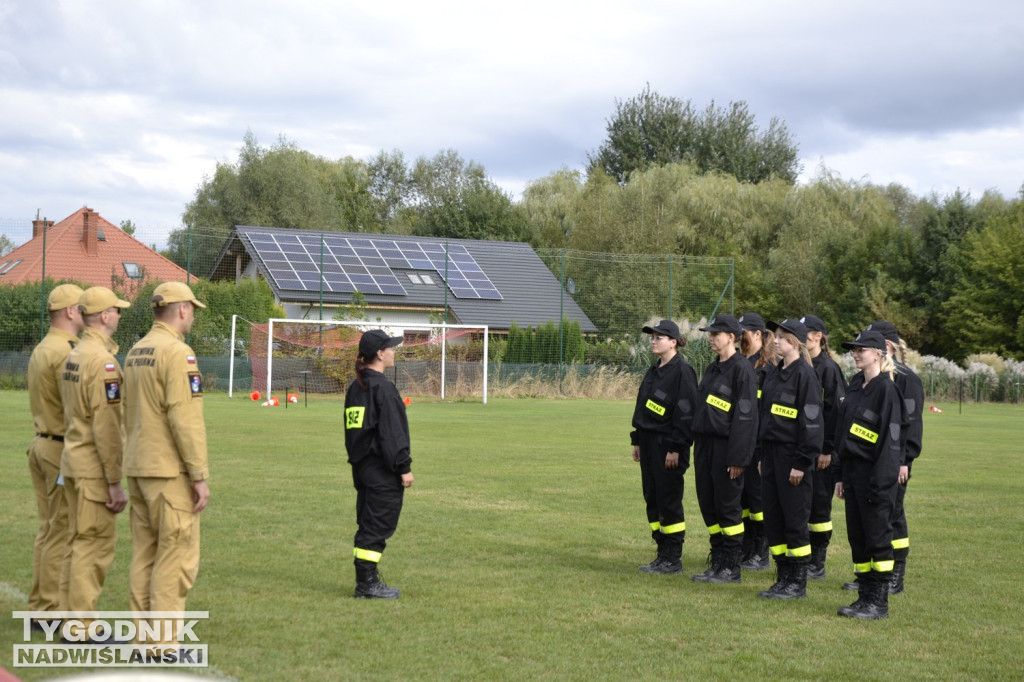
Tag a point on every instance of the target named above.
point(435, 359)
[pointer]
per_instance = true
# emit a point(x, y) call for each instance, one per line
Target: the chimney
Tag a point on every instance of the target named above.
point(39, 225)
point(90, 226)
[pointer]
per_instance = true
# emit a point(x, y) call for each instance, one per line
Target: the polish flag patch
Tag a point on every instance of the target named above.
point(191, 359)
point(110, 368)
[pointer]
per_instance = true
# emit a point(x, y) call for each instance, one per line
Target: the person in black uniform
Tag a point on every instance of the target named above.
point(377, 442)
point(758, 346)
point(833, 388)
point(791, 431)
point(661, 440)
point(868, 443)
point(725, 431)
point(912, 392)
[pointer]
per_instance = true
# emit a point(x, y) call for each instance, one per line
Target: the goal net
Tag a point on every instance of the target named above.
point(318, 357)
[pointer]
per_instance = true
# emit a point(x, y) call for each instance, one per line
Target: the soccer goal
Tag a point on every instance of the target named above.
point(318, 357)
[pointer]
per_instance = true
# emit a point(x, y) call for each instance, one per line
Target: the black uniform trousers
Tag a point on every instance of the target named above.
point(379, 495)
point(822, 489)
point(787, 508)
point(717, 494)
point(868, 517)
point(753, 509)
point(663, 494)
point(900, 532)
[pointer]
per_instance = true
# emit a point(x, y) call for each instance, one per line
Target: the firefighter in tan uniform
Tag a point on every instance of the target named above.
point(93, 441)
point(45, 368)
point(166, 461)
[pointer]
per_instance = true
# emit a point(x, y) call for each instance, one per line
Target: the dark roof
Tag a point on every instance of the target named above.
point(530, 294)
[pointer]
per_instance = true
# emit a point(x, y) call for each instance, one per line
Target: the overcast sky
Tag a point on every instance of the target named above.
point(124, 105)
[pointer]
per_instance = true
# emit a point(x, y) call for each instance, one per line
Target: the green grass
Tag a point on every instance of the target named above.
point(517, 553)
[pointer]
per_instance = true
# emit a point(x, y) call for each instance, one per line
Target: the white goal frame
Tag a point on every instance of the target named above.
point(413, 327)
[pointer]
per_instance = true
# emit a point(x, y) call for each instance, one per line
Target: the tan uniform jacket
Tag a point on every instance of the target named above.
point(164, 408)
point(45, 368)
point(91, 392)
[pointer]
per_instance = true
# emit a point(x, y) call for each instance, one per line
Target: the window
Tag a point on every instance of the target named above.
point(419, 278)
point(100, 237)
point(426, 279)
point(415, 279)
point(132, 270)
point(8, 266)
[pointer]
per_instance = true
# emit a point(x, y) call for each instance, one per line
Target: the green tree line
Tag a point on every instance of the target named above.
point(678, 179)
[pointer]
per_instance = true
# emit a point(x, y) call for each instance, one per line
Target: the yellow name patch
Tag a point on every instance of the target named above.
point(723, 405)
point(783, 411)
point(354, 417)
point(866, 434)
point(655, 408)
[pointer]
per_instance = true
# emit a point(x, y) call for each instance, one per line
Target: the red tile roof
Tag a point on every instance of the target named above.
point(75, 251)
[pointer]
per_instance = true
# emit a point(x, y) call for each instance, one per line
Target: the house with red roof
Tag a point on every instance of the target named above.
point(87, 248)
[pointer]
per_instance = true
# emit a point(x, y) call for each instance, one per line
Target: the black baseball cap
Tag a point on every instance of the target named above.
point(886, 329)
point(375, 340)
point(867, 339)
point(794, 327)
point(665, 328)
point(752, 322)
point(724, 323)
point(814, 324)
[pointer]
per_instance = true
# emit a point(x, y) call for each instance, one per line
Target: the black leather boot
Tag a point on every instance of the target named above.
point(782, 570)
point(899, 571)
point(759, 558)
point(714, 565)
point(368, 583)
point(874, 598)
point(816, 569)
point(796, 585)
point(728, 567)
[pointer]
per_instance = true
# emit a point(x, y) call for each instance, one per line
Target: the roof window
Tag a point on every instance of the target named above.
point(8, 266)
point(132, 270)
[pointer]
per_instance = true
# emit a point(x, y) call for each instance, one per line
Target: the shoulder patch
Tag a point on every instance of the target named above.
point(190, 359)
point(110, 367)
point(811, 411)
point(911, 405)
point(195, 382)
point(113, 391)
point(894, 432)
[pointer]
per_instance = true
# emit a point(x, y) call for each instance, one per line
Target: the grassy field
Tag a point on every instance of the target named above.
point(517, 554)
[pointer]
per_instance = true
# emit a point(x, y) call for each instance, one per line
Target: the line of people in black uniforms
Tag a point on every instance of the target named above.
point(776, 432)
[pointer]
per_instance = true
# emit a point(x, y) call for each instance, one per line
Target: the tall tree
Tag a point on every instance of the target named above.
point(651, 129)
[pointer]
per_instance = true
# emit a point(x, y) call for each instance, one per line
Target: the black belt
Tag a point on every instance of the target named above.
point(50, 436)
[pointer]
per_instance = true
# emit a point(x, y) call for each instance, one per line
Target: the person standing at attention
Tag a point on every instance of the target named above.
point(833, 388)
point(791, 431)
point(45, 368)
point(378, 446)
point(166, 458)
point(661, 440)
point(725, 432)
point(93, 447)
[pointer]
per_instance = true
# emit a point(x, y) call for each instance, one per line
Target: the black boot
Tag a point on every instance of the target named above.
point(782, 570)
point(796, 586)
point(816, 569)
point(650, 568)
point(759, 558)
point(874, 598)
point(728, 567)
point(714, 565)
point(368, 584)
point(899, 571)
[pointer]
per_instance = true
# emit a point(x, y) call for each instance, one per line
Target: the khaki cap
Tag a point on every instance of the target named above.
point(174, 292)
point(97, 299)
point(63, 296)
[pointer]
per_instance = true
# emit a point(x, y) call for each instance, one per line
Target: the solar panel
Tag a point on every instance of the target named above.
point(358, 263)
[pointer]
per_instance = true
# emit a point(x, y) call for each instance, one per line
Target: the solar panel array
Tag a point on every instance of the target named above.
point(365, 265)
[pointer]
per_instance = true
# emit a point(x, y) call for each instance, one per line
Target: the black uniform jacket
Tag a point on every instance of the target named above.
point(727, 407)
point(665, 404)
point(791, 412)
point(376, 423)
point(869, 429)
point(912, 391)
point(761, 372)
point(833, 388)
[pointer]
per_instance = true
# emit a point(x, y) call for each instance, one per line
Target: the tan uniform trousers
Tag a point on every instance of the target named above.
point(52, 537)
point(165, 543)
point(92, 540)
